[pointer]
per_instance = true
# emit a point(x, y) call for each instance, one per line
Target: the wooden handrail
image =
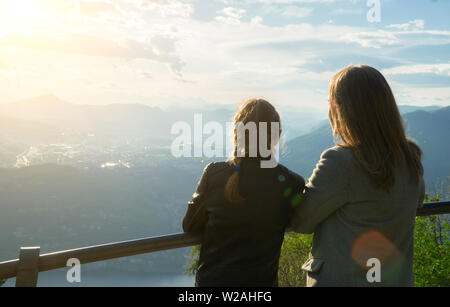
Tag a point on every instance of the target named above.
point(102, 252)
point(56, 260)
point(434, 208)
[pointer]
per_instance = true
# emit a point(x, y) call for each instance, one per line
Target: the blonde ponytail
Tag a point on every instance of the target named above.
point(232, 187)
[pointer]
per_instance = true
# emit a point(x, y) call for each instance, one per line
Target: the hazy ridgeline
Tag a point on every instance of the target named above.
point(76, 175)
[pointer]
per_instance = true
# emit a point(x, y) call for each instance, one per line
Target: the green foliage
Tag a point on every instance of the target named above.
point(431, 254)
point(192, 264)
point(294, 253)
point(432, 251)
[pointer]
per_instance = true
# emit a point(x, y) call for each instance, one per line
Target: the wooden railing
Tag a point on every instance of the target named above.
point(30, 262)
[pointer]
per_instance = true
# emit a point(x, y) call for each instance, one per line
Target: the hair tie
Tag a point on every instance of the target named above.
point(237, 168)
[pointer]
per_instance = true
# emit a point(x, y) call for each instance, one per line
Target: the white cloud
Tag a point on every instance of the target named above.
point(374, 39)
point(442, 69)
point(233, 12)
point(125, 29)
point(225, 1)
point(231, 15)
point(422, 96)
point(417, 24)
point(404, 38)
point(130, 43)
point(342, 11)
point(160, 48)
point(165, 48)
point(290, 1)
point(256, 20)
point(296, 11)
point(96, 9)
point(167, 8)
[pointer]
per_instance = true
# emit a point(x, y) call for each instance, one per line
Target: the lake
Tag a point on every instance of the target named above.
point(111, 278)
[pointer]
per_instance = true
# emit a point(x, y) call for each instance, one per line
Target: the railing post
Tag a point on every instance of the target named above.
point(27, 269)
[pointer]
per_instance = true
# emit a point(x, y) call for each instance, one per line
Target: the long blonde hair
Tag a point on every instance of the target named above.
point(364, 115)
point(257, 111)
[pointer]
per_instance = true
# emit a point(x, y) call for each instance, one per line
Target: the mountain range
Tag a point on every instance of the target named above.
point(123, 122)
point(116, 128)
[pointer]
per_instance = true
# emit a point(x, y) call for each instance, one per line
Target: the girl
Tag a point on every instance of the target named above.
point(362, 198)
point(243, 208)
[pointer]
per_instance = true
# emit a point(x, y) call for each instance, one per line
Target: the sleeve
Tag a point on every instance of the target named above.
point(298, 187)
point(196, 214)
point(326, 191)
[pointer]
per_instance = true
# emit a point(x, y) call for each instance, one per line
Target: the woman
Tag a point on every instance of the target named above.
point(243, 208)
point(362, 198)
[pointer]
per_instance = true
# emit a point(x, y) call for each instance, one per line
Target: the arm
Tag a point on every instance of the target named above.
point(298, 186)
point(326, 191)
point(196, 214)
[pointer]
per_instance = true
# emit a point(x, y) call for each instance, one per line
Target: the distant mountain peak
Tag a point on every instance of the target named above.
point(404, 109)
point(49, 97)
point(48, 100)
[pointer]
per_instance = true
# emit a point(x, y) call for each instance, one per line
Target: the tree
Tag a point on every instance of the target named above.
point(432, 250)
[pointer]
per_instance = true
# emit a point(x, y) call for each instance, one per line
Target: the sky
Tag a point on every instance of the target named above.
point(196, 52)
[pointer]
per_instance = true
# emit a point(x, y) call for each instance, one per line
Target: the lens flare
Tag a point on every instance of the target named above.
point(373, 244)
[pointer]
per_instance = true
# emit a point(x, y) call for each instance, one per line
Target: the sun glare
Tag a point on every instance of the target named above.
point(24, 15)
